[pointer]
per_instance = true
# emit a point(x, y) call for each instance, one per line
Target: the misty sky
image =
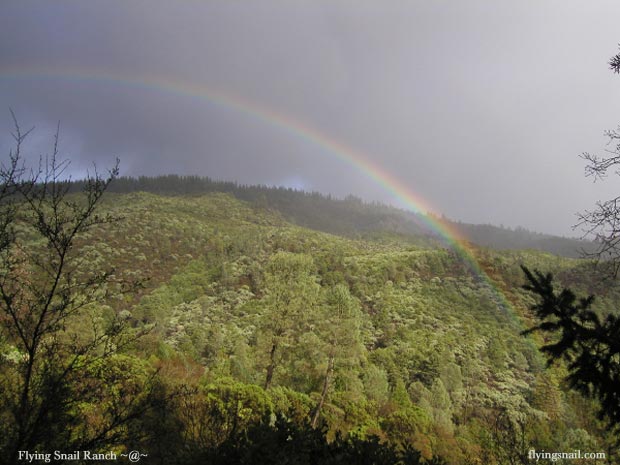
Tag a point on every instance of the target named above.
point(480, 107)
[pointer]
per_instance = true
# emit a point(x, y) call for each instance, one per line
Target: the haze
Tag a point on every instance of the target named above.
point(481, 108)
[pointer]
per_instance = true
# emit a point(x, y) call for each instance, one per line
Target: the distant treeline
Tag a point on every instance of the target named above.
point(350, 217)
point(496, 237)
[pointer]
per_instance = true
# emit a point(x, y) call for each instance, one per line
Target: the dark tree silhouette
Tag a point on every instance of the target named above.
point(588, 343)
point(285, 443)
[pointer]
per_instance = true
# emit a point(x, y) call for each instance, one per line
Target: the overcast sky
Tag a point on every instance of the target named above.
point(479, 107)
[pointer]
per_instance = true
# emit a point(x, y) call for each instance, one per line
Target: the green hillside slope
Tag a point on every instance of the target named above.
point(257, 326)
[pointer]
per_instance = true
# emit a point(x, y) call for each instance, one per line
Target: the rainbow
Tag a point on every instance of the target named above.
point(296, 128)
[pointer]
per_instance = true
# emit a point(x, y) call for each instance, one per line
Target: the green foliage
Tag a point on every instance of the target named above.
point(288, 443)
point(381, 346)
point(291, 294)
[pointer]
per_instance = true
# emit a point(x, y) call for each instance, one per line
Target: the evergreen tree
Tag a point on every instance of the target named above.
point(589, 343)
point(291, 293)
point(339, 326)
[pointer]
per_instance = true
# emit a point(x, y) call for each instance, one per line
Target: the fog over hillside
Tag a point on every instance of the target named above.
point(352, 217)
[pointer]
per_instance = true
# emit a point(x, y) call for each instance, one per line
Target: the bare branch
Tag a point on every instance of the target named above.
point(46, 283)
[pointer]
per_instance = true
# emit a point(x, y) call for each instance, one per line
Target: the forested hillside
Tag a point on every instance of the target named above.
point(351, 216)
point(256, 340)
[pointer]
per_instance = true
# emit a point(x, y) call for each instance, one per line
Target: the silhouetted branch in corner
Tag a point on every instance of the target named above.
point(588, 343)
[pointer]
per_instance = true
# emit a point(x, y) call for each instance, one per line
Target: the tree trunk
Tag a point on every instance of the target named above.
point(272, 365)
point(328, 377)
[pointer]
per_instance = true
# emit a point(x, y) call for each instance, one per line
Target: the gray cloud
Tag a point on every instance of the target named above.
point(481, 108)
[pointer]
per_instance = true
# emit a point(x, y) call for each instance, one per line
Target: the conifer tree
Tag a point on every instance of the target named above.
point(339, 326)
point(290, 297)
point(589, 343)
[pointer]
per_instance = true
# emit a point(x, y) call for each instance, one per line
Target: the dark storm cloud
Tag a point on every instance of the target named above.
point(479, 107)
